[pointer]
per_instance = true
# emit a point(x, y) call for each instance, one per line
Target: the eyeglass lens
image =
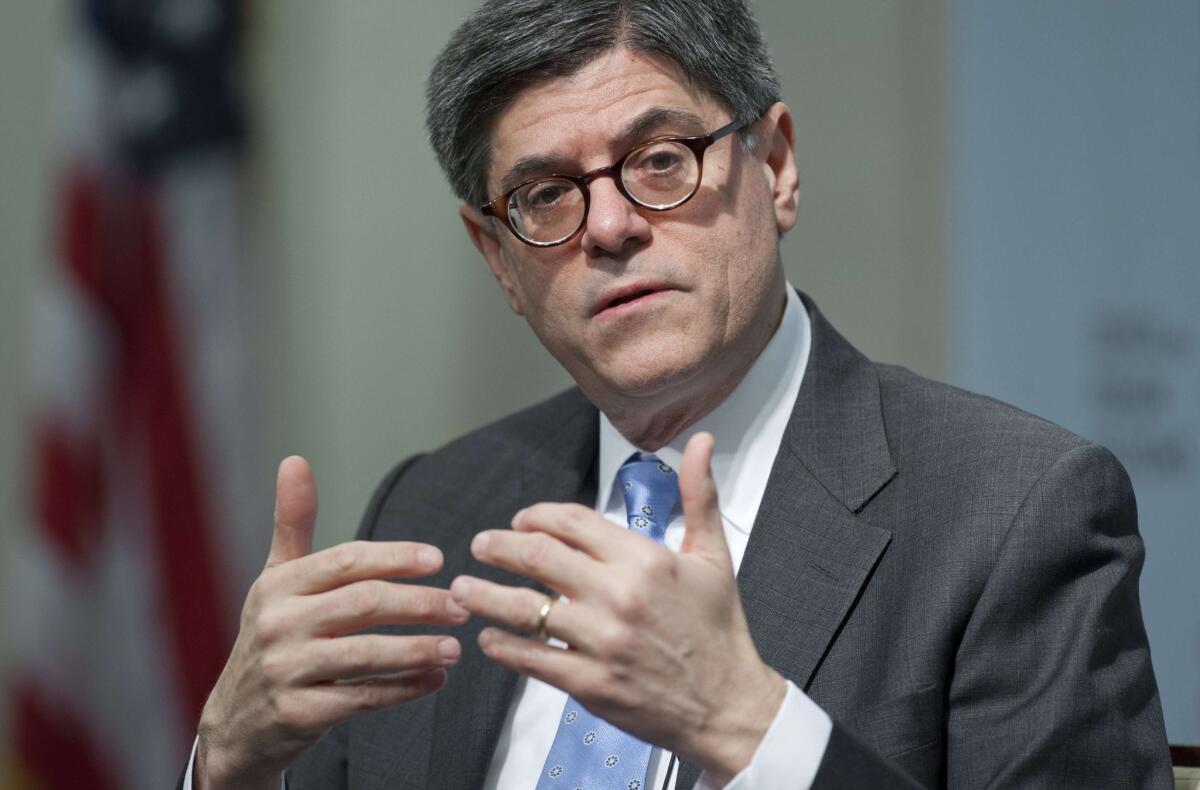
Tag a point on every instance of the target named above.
point(659, 176)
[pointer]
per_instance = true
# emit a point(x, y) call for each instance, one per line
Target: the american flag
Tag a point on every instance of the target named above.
point(122, 596)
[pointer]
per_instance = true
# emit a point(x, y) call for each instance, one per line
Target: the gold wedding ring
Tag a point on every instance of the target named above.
point(543, 613)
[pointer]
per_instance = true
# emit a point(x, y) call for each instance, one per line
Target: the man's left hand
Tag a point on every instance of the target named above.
point(657, 642)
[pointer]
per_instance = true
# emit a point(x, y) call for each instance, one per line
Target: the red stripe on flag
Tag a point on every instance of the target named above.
point(55, 746)
point(181, 515)
point(69, 492)
point(114, 250)
point(81, 229)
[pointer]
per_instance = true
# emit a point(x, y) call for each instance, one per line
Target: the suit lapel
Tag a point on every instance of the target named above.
point(809, 554)
point(470, 711)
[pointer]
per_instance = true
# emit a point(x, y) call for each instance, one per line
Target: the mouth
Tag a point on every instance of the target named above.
point(629, 297)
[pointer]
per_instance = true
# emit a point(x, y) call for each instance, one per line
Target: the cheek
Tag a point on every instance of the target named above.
point(513, 280)
point(544, 298)
point(751, 260)
point(532, 284)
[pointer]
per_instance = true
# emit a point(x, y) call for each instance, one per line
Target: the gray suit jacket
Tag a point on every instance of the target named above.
point(954, 581)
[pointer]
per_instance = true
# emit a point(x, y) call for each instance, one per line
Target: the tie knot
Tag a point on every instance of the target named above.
point(651, 490)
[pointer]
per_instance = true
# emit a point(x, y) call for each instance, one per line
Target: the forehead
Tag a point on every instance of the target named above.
point(585, 115)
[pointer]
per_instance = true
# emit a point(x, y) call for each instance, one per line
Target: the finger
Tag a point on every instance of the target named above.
point(577, 526)
point(703, 533)
point(371, 655)
point(366, 604)
point(539, 556)
point(295, 511)
point(321, 706)
point(362, 559)
point(568, 670)
point(520, 608)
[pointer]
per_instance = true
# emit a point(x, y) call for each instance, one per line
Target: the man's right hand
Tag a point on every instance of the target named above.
point(297, 667)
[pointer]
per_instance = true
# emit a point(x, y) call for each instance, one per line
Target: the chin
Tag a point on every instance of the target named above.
point(652, 376)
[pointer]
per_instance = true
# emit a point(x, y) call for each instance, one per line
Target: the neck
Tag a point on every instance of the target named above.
point(652, 421)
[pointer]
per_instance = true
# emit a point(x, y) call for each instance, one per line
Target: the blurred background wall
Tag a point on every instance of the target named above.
point(27, 48)
point(376, 332)
point(1074, 250)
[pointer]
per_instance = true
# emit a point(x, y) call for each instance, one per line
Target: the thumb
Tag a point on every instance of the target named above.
point(703, 533)
point(295, 511)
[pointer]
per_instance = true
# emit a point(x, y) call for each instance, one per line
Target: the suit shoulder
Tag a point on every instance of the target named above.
point(523, 432)
point(486, 459)
point(975, 464)
point(934, 422)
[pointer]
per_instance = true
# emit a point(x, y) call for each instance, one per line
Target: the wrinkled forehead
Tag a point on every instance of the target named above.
point(615, 100)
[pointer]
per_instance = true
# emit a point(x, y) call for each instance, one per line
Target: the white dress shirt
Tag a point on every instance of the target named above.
point(748, 429)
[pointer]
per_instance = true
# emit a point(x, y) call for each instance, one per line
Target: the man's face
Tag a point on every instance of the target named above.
point(643, 303)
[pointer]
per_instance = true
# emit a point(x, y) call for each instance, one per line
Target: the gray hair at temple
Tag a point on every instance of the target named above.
point(509, 45)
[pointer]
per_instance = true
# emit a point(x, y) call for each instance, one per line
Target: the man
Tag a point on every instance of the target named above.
point(932, 589)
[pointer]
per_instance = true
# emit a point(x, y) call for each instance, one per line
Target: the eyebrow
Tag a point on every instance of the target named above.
point(684, 122)
point(528, 167)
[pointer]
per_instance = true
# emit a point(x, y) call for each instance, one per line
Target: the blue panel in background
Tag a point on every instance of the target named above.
point(1075, 247)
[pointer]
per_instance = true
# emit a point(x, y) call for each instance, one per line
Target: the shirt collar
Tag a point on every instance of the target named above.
point(747, 426)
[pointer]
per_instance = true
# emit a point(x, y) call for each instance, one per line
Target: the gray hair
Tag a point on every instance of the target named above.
point(508, 45)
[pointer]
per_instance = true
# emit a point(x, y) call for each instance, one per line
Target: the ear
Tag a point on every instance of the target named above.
point(484, 236)
point(777, 136)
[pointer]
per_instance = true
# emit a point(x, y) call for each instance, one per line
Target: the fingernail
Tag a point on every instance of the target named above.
point(427, 556)
point(486, 637)
point(517, 516)
point(456, 611)
point(480, 543)
point(460, 588)
point(449, 650)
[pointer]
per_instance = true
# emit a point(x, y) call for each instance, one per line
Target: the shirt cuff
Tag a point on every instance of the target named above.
point(790, 752)
point(187, 775)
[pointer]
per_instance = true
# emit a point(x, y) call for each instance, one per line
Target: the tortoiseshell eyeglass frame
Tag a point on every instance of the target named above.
point(498, 207)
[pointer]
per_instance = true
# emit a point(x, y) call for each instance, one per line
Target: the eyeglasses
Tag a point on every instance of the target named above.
point(659, 175)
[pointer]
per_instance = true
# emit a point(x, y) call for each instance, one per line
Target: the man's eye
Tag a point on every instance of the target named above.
point(659, 160)
point(543, 196)
point(662, 162)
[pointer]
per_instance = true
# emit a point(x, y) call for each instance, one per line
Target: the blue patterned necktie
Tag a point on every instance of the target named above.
point(588, 753)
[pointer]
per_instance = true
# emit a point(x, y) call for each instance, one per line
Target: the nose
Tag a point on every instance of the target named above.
point(614, 225)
